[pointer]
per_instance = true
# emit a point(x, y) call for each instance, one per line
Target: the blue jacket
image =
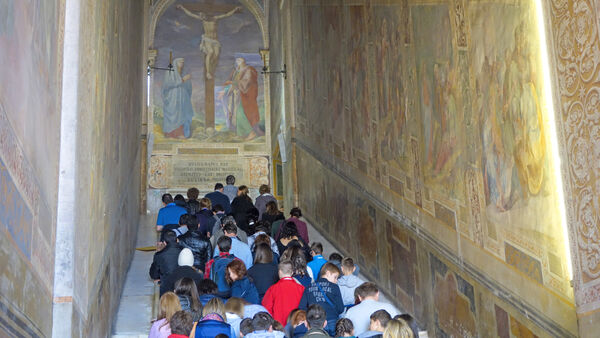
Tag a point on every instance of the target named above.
point(316, 264)
point(315, 294)
point(217, 197)
point(243, 288)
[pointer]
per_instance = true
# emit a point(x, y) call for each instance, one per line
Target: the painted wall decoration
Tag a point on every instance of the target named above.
point(439, 118)
point(216, 93)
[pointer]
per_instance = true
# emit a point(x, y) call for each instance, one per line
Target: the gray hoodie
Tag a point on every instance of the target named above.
point(347, 285)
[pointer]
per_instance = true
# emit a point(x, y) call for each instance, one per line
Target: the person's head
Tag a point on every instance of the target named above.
point(316, 249)
point(330, 272)
point(219, 187)
point(167, 198)
point(240, 62)
point(217, 208)
point(262, 321)
point(335, 258)
point(316, 316)
point(296, 212)
point(224, 244)
point(366, 290)
point(230, 180)
point(263, 254)
point(264, 189)
point(344, 328)
point(398, 328)
point(262, 238)
point(277, 326)
point(242, 190)
point(187, 287)
point(289, 230)
point(264, 226)
point(205, 203)
point(186, 257)
point(178, 63)
point(193, 193)
point(179, 198)
point(246, 326)
point(227, 220)
point(379, 320)
point(207, 287)
point(348, 266)
point(170, 237)
point(192, 222)
point(181, 323)
point(168, 305)
point(183, 219)
point(235, 305)
point(272, 208)
point(236, 270)
point(285, 269)
point(297, 317)
point(230, 229)
point(296, 255)
point(214, 305)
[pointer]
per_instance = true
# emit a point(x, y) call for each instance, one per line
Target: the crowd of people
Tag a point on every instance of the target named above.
point(231, 267)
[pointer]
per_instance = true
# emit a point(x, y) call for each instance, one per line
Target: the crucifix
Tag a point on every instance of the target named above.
point(209, 13)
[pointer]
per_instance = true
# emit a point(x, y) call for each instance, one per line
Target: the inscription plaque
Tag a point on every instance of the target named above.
point(205, 173)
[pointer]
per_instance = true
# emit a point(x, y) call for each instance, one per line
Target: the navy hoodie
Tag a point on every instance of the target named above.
point(312, 295)
point(243, 288)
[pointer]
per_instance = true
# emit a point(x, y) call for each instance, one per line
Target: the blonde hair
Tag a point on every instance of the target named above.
point(397, 328)
point(169, 304)
point(235, 305)
point(215, 305)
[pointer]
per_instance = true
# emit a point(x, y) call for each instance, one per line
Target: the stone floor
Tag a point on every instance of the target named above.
point(140, 294)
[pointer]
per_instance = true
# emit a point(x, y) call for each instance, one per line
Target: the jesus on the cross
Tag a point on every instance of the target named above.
point(210, 45)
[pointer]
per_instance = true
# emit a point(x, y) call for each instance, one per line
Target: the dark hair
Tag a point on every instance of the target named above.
point(316, 316)
point(263, 254)
point(382, 316)
point(263, 226)
point(192, 223)
point(317, 248)
point(329, 267)
point(288, 230)
point(217, 208)
point(296, 212)
point(187, 287)
point(183, 219)
point(262, 238)
point(224, 244)
point(335, 257)
point(238, 267)
point(207, 287)
point(230, 228)
point(343, 326)
point(181, 323)
point(218, 186)
point(271, 208)
point(170, 237)
point(221, 335)
point(230, 179)
point(366, 289)
point(262, 321)
point(179, 197)
point(264, 189)
point(246, 326)
point(193, 193)
point(409, 320)
point(243, 189)
point(167, 198)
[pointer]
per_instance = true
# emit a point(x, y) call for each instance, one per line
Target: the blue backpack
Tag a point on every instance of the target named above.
point(218, 270)
point(210, 328)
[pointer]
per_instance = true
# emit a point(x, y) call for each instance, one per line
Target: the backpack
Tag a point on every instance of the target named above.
point(211, 328)
point(218, 270)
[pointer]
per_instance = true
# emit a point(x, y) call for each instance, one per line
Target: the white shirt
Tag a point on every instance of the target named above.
point(359, 314)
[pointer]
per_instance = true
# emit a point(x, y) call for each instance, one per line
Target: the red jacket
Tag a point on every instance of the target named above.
point(283, 297)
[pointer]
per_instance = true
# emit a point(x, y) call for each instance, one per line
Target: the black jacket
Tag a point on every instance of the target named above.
point(168, 284)
point(200, 246)
point(263, 276)
point(164, 262)
point(239, 209)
